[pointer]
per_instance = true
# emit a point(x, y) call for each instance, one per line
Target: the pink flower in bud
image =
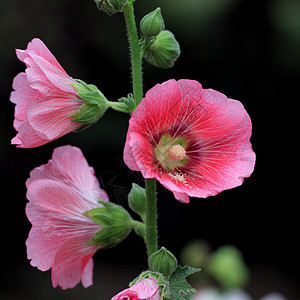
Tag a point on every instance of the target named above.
point(44, 98)
point(145, 289)
point(59, 193)
point(194, 141)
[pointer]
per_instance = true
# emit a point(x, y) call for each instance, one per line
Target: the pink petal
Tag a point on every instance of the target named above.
point(126, 295)
point(71, 259)
point(157, 108)
point(57, 197)
point(58, 77)
point(37, 46)
point(87, 274)
point(192, 88)
point(41, 249)
point(140, 155)
point(27, 137)
point(70, 166)
point(51, 117)
point(146, 288)
point(22, 95)
point(71, 162)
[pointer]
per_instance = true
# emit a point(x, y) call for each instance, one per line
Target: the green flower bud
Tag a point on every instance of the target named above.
point(111, 6)
point(152, 24)
point(163, 261)
point(95, 103)
point(115, 221)
point(137, 200)
point(226, 265)
point(164, 50)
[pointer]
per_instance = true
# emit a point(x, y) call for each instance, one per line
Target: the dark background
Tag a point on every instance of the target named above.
point(249, 50)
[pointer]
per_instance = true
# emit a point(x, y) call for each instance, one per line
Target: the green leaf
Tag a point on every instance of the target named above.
point(180, 289)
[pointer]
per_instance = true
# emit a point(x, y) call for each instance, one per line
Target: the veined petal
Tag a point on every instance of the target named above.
point(57, 197)
point(71, 260)
point(51, 116)
point(27, 137)
point(71, 162)
point(58, 77)
point(146, 288)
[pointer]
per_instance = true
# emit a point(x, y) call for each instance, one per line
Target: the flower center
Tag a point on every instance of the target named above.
point(170, 152)
point(177, 152)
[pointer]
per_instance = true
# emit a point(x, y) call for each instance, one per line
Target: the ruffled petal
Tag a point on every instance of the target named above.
point(71, 162)
point(27, 137)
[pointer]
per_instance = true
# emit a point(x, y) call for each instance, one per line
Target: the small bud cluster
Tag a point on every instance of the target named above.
point(159, 46)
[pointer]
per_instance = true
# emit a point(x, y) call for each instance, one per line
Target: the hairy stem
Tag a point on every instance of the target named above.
point(137, 83)
point(135, 52)
point(151, 216)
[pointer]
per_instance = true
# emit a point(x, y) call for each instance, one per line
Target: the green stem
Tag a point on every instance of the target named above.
point(135, 52)
point(137, 83)
point(151, 216)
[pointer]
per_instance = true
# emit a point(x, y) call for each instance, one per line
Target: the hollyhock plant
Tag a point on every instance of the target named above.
point(145, 289)
point(194, 141)
point(44, 96)
point(59, 193)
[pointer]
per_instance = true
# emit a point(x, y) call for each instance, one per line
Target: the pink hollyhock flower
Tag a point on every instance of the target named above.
point(194, 141)
point(44, 98)
point(58, 193)
point(145, 289)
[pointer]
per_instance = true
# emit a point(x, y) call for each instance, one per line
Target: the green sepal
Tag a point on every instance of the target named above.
point(95, 103)
point(88, 113)
point(128, 104)
point(179, 288)
point(149, 274)
point(115, 222)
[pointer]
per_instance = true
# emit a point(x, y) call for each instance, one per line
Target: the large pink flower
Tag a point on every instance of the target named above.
point(145, 289)
point(194, 141)
point(44, 98)
point(59, 192)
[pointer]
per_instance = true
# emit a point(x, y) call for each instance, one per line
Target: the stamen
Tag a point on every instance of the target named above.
point(177, 152)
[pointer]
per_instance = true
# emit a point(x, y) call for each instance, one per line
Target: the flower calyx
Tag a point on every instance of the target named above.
point(94, 106)
point(115, 222)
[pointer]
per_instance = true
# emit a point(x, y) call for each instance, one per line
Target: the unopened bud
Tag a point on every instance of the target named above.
point(111, 6)
point(137, 200)
point(152, 24)
point(164, 50)
point(163, 261)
